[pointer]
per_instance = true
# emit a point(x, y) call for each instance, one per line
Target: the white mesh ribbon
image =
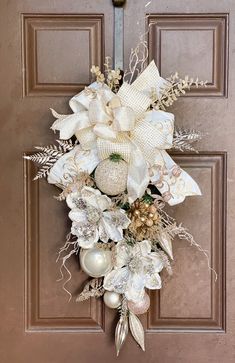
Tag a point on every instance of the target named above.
point(150, 80)
point(124, 124)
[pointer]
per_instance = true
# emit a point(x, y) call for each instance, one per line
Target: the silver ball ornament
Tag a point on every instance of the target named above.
point(111, 176)
point(112, 299)
point(140, 307)
point(95, 261)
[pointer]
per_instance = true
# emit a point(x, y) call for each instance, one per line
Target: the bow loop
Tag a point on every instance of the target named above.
point(150, 80)
point(125, 124)
point(123, 118)
point(97, 112)
point(134, 99)
point(81, 101)
point(121, 145)
point(104, 131)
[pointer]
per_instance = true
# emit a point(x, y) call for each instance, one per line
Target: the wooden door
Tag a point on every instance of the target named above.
point(47, 48)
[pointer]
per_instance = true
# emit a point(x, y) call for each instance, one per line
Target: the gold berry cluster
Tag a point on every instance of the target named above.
point(143, 214)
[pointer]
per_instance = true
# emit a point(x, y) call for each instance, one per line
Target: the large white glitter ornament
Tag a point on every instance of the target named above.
point(140, 307)
point(95, 261)
point(111, 175)
point(112, 299)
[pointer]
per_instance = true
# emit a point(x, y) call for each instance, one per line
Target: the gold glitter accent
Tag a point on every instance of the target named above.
point(145, 220)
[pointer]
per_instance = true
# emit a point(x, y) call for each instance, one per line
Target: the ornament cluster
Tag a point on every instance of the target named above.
point(116, 176)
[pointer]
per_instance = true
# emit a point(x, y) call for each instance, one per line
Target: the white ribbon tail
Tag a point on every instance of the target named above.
point(138, 176)
point(173, 183)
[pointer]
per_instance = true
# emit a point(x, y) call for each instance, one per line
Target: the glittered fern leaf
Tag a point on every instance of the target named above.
point(40, 158)
point(51, 150)
point(183, 139)
point(93, 288)
point(48, 155)
point(44, 170)
point(67, 145)
point(173, 89)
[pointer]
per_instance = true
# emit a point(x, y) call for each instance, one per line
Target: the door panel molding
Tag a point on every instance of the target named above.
point(93, 319)
point(53, 42)
point(215, 162)
point(192, 39)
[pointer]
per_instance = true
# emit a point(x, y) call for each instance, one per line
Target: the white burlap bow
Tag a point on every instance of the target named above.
point(123, 123)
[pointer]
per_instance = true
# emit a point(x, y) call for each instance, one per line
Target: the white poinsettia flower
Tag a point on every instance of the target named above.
point(136, 268)
point(93, 218)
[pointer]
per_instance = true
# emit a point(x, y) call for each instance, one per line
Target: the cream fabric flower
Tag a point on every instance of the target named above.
point(136, 267)
point(93, 218)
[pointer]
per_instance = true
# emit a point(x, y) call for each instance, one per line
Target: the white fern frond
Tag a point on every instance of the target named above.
point(48, 155)
point(39, 158)
point(43, 171)
point(184, 138)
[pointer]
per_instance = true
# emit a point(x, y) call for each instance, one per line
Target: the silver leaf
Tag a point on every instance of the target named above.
point(166, 244)
point(93, 288)
point(121, 333)
point(137, 330)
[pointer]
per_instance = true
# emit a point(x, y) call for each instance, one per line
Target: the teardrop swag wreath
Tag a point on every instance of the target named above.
point(116, 176)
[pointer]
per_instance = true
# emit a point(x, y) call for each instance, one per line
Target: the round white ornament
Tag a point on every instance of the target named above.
point(111, 175)
point(140, 307)
point(112, 299)
point(95, 261)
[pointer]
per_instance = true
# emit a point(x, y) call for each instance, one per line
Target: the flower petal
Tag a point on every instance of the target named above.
point(153, 281)
point(91, 196)
point(104, 236)
point(78, 215)
point(87, 235)
point(124, 221)
point(156, 261)
point(112, 231)
point(87, 243)
point(116, 280)
point(114, 222)
point(135, 287)
point(145, 247)
point(89, 191)
point(103, 202)
point(122, 257)
point(71, 199)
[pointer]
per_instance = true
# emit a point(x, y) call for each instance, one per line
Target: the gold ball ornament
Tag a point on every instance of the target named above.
point(111, 175)
point(140, 307)
point(112, 299)
point(152, 209)
point(149, 222)
point(95, 261)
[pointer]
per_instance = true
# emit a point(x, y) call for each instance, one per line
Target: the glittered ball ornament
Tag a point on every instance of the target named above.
point(95, 261)
point(112, 299)
point(140, 307)
point(111, 175)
